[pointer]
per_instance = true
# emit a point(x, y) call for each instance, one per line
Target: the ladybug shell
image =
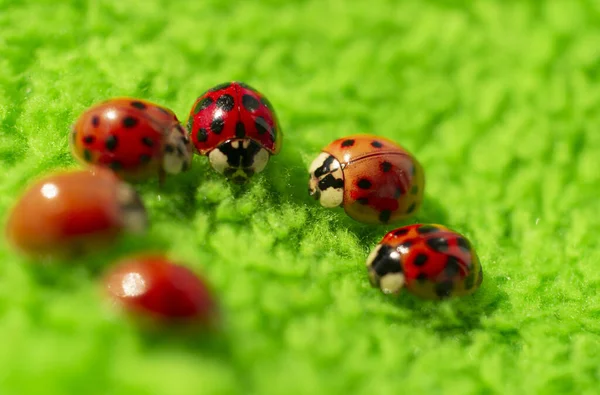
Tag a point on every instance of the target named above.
point(233, 110)
point(71, 212)
point(383, 182)
point(436, 262)
point(124, 134)
point(153, 286)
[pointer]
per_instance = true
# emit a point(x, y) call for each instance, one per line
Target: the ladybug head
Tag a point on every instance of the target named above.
point(177, 155)
point(385, 269)
point(239, 159)
point(326, 180)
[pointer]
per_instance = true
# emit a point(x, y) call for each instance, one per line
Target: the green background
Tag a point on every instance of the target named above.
point(499, 101)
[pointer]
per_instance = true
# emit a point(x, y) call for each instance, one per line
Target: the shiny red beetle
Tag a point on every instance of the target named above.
point(236, 127)
point(135, 138)
point(154, 286)
point(73, 212)
point(430, 261)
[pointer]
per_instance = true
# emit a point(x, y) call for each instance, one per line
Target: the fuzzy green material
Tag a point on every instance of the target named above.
point(499, 101)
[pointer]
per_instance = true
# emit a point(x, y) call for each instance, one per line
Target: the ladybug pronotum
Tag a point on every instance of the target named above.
point(236, 127)
point(429, 261)
point(72, 212)
point(374, 179)
point(135, 138)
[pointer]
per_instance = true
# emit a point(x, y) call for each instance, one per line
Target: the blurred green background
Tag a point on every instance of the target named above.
point(499, 101)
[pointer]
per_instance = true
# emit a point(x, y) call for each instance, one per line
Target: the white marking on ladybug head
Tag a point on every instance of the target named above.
point(392, 283)
point(133, 212)
point(238, 159)
point(177, 155)
point(326, 181)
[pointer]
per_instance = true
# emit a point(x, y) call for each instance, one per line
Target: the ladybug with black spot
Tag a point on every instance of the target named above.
point(135, 138)
point(374, 179)
point(430, 261)
point(236, 127)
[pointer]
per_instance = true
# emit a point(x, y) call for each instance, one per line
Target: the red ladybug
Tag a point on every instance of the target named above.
point(72, 212)
point(154, 286)
point(430, 261)
point(236, 126)
point(135, 138)
point(373, 178)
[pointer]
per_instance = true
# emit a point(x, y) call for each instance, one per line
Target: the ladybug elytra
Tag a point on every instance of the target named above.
point(430, 261)
point(236, 127)
point(373, 178)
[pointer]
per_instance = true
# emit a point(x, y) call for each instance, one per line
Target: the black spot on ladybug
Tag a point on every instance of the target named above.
point(203, 104)
point(190, 124)
point(95, 121)
point(401, 232)
point(202, 135)
point(329, 181)
point(444, 289)
point(397, 193)
point(348, 143)
point(325, 167)
point(413, 171)
point(250, 102)
point(266, 103)
point(139, 105)
point(240, 130)
point(386, 261)
point(115, 165)
point(439, 244)
point(384, 215)
point(261, 125)
point(414, 190)
point(463, 244)
point(220, 86)
point(376, 144)
point(147, 141)
point(386, 166)
point(422, 277)
point(452, 267)
point(225, 102)
point(363, 200)
point(425, 229)
point(89, 139)
point(129, 122)
point(420, 260)
point(411, 208)
point(363, 183)
point(111, 142)
point(216, 126)
point(144, 158)
point(87, 155)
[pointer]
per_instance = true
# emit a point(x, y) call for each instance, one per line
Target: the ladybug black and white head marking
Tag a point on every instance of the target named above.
point(177, 155)
point(133, 212)
point(239, 159)
point(326, 180)
point(385, 269)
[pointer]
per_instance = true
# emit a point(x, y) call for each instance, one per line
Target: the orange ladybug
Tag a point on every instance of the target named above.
point(373, 178)
point(135, 138)
point(73, 212)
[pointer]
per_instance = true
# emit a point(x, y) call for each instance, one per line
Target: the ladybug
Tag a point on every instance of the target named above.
point(135, 138)
point(430, 261)
point(374, 179)
point(236, 127)
point(153, 286)
point(72, 212)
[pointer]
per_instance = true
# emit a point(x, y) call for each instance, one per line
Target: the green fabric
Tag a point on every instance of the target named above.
point(499, 101)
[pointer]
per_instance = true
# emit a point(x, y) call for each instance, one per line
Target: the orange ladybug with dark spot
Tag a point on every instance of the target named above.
point(135, 138)
point(374, 179)
point(429, 261)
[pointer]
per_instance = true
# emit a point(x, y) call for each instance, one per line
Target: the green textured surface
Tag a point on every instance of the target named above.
point(498, 99)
